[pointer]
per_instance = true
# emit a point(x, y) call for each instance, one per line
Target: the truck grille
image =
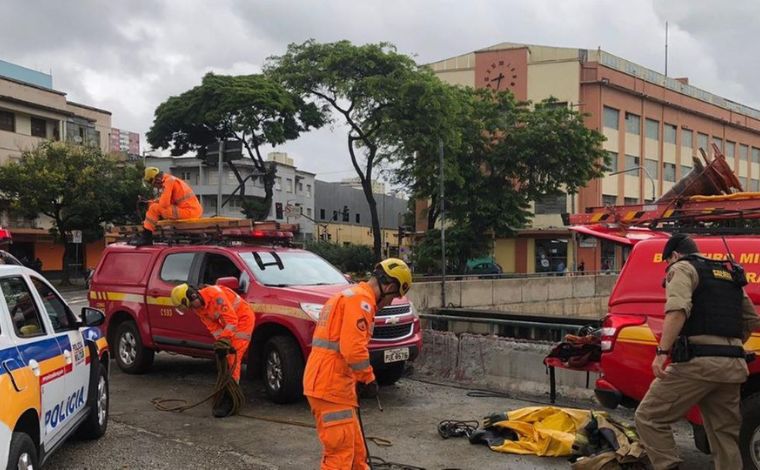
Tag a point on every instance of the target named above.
point(391, 332)
point(393, 310)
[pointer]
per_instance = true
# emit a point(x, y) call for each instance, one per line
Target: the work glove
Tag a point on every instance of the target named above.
point(222, 347)
point(368, 390)
point(494, 418)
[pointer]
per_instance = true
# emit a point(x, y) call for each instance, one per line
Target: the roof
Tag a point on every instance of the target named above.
point(12, 269)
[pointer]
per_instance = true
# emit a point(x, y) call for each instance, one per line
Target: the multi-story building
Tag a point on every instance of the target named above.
point(654, 126)
point(31, 111)
point(294, 189)
point(342, 216)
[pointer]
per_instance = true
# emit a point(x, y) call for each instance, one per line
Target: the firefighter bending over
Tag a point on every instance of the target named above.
point(339, 362)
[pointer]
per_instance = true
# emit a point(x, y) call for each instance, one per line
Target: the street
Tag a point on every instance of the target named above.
point(141, 437)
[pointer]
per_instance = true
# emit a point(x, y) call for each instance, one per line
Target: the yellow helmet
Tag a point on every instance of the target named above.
point(150, 174)
point(181, 295)
point(396, 269)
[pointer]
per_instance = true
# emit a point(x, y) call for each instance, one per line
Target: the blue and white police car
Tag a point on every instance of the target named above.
point(53, 370)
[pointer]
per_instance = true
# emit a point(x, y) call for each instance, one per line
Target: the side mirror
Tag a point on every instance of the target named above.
point(229, 282)
point(349, 278)
point(92, 316)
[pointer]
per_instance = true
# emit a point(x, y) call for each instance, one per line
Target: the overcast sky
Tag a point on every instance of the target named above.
point(129, 56)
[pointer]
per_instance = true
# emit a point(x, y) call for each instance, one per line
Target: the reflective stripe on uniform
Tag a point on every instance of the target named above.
point(217, 333)
point(323, 343)
point(184, 198)
point(175, 212)
point(242, 336)
point(236, 303)
point(337, 416)
point(229, 327)
point(348, 293)
point(361, 365)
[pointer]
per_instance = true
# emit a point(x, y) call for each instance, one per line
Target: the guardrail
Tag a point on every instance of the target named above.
point(468, 277)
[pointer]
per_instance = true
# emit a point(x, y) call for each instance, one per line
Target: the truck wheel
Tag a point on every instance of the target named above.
point(22, 453)
point(131, 356)
point(391, 374)
point(749, 436)
point(283, 369)
point(97, 421)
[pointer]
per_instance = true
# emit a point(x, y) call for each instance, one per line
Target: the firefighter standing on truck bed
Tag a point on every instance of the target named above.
point(177, 201)
point(708, 317)
point(229, 319)
point(339, 362)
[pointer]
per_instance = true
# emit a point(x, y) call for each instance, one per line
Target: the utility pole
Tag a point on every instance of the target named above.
point(219, 186)
point(443, 226)
point(666, 48)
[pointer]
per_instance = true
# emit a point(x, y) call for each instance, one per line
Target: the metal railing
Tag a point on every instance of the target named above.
point(467, 277)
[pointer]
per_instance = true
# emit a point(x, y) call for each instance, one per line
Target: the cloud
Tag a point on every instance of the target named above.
point(128, 57)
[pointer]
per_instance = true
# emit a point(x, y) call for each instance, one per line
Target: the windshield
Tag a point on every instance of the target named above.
point(282, 269)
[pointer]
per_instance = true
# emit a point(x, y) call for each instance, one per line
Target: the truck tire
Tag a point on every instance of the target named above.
point(749, 435)
point(97, 421)
point(22, 452)
point(391, 374)
point(283, 369)
point(131, 356)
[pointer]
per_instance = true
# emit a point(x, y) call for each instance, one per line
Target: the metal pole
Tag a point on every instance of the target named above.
point(666, 48)
point(443, 226)
point(219, 185)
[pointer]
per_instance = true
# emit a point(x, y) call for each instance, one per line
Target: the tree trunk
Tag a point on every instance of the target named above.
point(377, 234)
point(269, 178)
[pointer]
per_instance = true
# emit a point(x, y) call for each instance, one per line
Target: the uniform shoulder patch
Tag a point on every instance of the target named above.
point(670, 275)
point(366, 306)
point(361, 324)
point(219, 300)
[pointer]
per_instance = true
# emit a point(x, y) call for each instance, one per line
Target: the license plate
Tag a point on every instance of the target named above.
point(396, 355)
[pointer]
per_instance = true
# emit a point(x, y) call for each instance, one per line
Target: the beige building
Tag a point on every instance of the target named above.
point(31, 111)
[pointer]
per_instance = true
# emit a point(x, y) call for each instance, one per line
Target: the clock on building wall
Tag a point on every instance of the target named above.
point(500, 75)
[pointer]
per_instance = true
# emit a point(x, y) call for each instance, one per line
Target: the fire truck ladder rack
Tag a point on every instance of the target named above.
point(701, 202)
point(210, 231)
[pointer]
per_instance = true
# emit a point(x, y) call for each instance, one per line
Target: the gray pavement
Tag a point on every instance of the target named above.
point(141, 437)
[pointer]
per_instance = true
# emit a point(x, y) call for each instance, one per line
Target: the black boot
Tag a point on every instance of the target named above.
point(223, 406)
point(145, 239)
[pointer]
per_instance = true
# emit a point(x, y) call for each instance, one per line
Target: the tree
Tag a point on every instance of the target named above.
point(251, 109)
point(361, 85)
point(78, 187)
point(501, 155)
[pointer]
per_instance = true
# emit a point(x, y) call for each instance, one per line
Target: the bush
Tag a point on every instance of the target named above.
point(348, 258)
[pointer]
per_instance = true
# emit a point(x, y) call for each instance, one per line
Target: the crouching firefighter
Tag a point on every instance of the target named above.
point(708, 317)
point(339, 363)
point(230, 320)
point(177, 201)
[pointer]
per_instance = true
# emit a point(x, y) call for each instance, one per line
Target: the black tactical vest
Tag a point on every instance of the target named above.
point(716, 302)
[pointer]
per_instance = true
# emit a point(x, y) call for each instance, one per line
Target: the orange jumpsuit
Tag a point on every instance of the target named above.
point(339, 359)
point(228, 316)
point(177, 201)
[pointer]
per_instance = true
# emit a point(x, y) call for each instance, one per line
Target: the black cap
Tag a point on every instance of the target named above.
point(673, 244)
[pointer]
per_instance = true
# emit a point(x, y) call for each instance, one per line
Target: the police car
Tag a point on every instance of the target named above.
point(53, 370)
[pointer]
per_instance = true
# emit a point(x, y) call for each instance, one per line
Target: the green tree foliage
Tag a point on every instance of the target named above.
point(78, 187)
point(348, 258)
point(251, 109)
point(362, 86)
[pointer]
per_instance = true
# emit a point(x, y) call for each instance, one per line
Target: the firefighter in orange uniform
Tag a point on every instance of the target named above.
point(229, 319)
point(177, 201)
point(339, 361)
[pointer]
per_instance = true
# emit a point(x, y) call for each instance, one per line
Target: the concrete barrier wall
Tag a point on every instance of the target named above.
point(495, 363)
point(575, 296)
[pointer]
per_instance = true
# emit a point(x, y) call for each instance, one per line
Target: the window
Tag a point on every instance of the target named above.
point(754, 185)
point(730, 149)
point(611, 118)
point(612, 166)
point(278, 210)
point(176, 267)
point(278, 183)
point(295, 268)
point(744, 180)
point(300, 187)
point(685, 170)
point(743, 152)
point(670, 133)
point(632, 124)
point(308, 190)
point(308, 212)
point(216, 266)
point(551, 204)
point(289, 185)
point(719, 142)
point(186, 175)
point(345, 214)
point(669, 171)
point(652, 167)
point(755, 155)
point(609, 200)
point(39, 127)
point(321, 214)
point(7, 121)
point(686, 138)
point(702, 141)
point(61, 317)
point(26, 318)
point(631, 162)
point(653, 129)
point(630, 200)
point(358, 218)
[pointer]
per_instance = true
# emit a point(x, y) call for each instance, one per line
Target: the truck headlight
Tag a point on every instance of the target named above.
point(413, 310)
point(312, 310)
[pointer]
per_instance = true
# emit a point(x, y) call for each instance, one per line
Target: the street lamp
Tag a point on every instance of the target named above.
point(651, 180)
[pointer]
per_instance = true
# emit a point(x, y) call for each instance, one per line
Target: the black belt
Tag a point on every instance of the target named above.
point(716, 350)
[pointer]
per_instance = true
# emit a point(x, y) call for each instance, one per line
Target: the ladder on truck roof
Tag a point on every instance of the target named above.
point(701, 202)
point(211, 230)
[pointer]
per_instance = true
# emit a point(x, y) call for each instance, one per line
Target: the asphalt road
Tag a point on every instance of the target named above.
point(141, 437)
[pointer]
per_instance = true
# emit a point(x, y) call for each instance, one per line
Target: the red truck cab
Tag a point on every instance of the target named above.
point(285, 286)
point(632, 328)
